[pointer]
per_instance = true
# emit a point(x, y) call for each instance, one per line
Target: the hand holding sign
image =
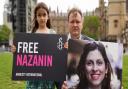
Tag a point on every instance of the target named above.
point(37, 59)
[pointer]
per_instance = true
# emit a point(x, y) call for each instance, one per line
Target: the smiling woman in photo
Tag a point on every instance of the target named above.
point(94, 68)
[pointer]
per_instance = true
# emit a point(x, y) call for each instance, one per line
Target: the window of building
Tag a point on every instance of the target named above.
point(115, 23)
point(9, 19)
point(126, 6)
point(126, 25)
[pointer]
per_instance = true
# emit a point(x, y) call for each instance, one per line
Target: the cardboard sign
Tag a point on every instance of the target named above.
point(39, 56)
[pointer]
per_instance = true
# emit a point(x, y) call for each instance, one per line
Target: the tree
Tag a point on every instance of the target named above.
point(4, 33)
point(90, 26)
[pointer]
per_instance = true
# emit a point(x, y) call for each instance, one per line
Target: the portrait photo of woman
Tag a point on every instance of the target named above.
point(94, 68)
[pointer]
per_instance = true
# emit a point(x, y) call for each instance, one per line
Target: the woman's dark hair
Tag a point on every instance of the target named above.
point(35, 23)
point(81, 67)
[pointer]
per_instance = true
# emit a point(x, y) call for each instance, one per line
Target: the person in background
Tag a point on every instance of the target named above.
point(75, 25)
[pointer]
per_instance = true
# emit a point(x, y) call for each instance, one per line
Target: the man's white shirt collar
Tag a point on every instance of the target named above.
point(69, 37)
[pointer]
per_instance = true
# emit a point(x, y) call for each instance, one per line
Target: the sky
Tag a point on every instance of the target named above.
point(63, 5)
point(1, 11)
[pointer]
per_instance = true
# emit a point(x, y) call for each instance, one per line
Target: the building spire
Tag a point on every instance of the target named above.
point(101, 3)
point(57, 10)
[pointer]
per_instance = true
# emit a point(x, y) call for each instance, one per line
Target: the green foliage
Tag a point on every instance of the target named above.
point(4, 33)
point(125, 72)
point(90, 26)
point(6, 72)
